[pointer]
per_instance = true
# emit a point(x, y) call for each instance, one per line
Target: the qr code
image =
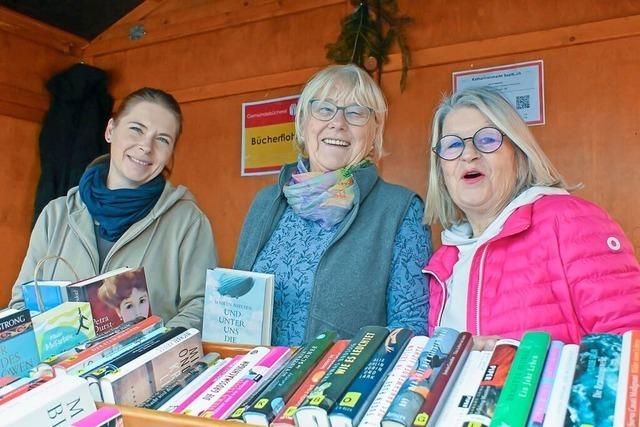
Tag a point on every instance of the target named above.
point(522, 102)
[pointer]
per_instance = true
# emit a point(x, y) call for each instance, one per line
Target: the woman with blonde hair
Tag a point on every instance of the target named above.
point(518, 251)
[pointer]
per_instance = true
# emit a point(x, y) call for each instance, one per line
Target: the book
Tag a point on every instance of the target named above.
point(593, 392)
point(135, 381)
point(18, 349)
point(406, 404)
point(57, 402)
point(106, 416)
point(561, 390)
point(444, 380)
point(115, 297)
point(24, 387)
point(541, 401)
point(272, 400)
point(627, 411)
point(285, 417)
point(53, 293)
point(259, 374)
point(486, 397)
point(391, 386)
point(167, 392)
point(519, 390)
point(314, 411)
point(354, 403)
point(238, 307)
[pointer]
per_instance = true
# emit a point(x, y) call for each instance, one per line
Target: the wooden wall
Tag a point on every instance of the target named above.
point(215, 55)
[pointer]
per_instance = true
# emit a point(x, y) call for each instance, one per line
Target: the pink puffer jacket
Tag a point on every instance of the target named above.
point(560, 264)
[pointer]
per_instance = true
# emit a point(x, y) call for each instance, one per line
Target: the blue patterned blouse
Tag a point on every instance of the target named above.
point(294, 251)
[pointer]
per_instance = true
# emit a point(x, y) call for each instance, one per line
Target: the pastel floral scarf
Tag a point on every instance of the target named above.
point(324, 197)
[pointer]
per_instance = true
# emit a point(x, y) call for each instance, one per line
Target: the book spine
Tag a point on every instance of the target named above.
point(23, 389)
point(406, 404)
point(486, 398)
point(262, 371)
point(76, 293)
point(225, 382)
point(627, 412)
point(541, 401)
point(285, 417)
point(272, 400)
point(450, 370)
point(393, 383)
point(518, 393)
point(559, 399)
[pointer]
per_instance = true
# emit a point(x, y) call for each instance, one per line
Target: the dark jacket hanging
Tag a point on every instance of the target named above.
point(72, 132)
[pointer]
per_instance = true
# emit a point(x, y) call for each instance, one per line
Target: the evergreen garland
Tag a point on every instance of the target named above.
point(368, 34)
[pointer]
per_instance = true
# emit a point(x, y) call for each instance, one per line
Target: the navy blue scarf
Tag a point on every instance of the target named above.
point(116, 210)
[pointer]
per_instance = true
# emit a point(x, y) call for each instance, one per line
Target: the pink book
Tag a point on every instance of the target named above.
point(216, 376)
point(238, 393)
point(539, 409)
point(106, 416)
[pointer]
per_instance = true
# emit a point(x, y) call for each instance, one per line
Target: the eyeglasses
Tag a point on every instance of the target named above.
point(486, 140)
point(356, 115)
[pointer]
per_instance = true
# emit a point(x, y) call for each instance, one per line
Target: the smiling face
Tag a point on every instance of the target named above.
point(142, 142)
point(136, 305)
point(335, 143)
point(480, 184)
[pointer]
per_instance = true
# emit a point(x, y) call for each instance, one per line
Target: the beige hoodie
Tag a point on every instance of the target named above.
point(173, 243)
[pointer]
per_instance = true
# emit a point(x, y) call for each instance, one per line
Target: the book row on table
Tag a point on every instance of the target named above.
point(380, 377)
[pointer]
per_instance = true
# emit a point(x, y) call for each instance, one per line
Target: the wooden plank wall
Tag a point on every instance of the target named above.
point(215, 55)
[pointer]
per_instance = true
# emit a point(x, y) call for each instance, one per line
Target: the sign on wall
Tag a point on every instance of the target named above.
point(522, 84)
point(268, 135)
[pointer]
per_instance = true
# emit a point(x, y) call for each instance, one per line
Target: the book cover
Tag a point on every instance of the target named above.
point(360, 394)
point(397, 377)
point(519, 390)
point(106, 416)
point(238, 307)
point(315, 409)
point(627, 411)
point(406, 404)
point(285, 417)
point(259, 374)
point(593, 392)
point(561, 389)
point(53, 293)
point(540, 403)
point(272, 400)
point(116, 296)
point(18, 349)
point(57, 402)
point(439, 391)
point(486, 397)
point(137, 380)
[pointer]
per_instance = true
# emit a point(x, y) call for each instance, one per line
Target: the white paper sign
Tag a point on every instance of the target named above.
point(521, 84)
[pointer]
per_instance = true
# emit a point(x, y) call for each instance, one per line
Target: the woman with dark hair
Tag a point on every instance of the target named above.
point(125, 213)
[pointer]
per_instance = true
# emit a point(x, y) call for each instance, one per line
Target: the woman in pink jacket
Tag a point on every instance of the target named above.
point(518, 252)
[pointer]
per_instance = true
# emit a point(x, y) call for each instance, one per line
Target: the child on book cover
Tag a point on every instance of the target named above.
point(127, 294)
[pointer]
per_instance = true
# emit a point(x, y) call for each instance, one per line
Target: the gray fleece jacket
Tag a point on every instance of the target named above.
point(173, 243)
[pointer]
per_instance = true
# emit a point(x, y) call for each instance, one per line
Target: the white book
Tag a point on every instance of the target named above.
point(224, 383)
point(561, 390)
point(391, 386)
point(58, 402)
point(136, 381)
point(458, 403)
point(173, 403)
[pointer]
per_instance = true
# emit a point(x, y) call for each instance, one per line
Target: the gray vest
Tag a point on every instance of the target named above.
point(350, 283)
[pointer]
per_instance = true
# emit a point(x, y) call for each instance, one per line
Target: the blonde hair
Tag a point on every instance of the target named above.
point(355, 85)
point(533, 167)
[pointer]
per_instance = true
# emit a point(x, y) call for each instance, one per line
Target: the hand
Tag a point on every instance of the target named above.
point(484, 342)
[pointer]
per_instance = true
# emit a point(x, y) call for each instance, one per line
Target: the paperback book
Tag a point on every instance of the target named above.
point(18, 350)
point(52, 292)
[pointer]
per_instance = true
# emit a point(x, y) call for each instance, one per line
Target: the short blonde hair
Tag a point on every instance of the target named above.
point(533, 167)
point(357, 86)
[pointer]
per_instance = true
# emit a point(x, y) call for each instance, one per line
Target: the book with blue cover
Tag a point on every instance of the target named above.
point(18, 350)
point(53, 293)
point(238, 307)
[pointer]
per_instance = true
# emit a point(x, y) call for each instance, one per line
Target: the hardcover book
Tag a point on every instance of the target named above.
point(356, 400)
point(238, 307)
point(53, 293)
point(62, 328)
point(18, 350)
point(116, 296)
point(316, 407)
point(272, 400)
point(593, 393)
point(627, 412)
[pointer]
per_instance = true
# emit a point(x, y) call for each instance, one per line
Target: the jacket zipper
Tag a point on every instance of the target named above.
point(479, 289)
point(444, 295)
